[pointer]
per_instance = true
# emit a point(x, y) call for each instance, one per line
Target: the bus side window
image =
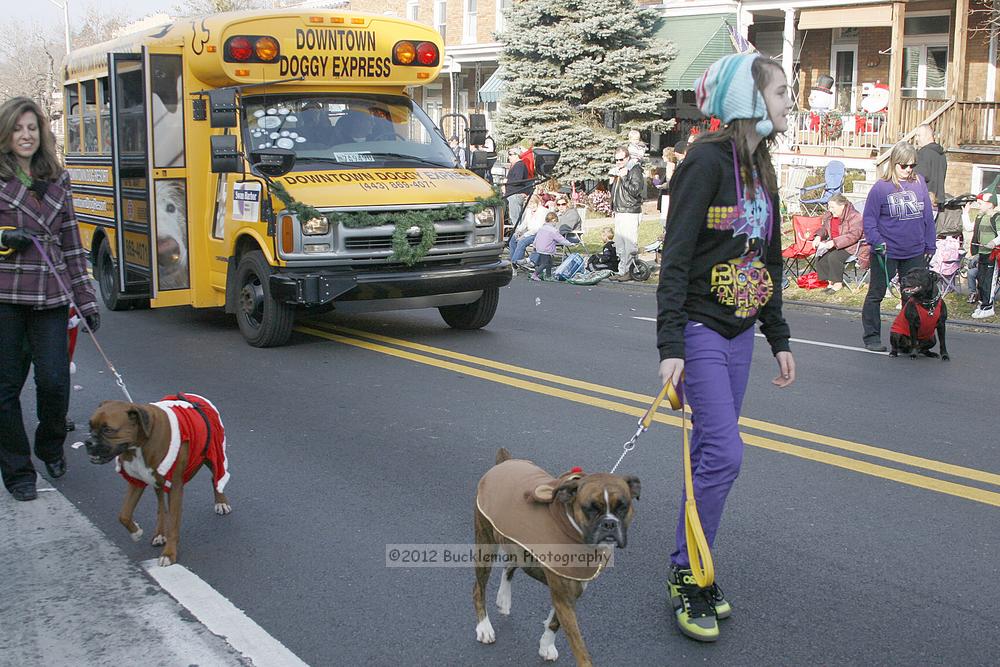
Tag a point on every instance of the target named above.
point(89, 89)
point(71, 100)
point(105, 114)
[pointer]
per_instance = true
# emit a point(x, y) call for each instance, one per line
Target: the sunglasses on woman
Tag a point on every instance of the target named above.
point(912, 165)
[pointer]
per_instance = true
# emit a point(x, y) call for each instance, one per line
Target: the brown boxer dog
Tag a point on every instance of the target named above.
point(520, 508)
point(149, 442)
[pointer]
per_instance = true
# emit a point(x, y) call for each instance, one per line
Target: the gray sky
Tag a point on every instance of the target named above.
point(43, 12)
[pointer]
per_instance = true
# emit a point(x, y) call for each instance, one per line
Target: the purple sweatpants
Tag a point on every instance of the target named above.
point(716, 370)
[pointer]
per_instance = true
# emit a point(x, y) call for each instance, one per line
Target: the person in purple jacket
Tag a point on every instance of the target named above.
point(899, 227)
point(36, 215)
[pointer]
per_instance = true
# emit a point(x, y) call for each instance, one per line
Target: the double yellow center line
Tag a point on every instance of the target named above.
point(603, 397)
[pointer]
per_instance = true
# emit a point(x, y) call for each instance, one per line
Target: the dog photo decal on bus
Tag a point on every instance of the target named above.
point(167, 111)
point(172, 235)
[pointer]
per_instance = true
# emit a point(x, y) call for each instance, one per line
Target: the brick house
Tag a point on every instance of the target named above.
point(467, 82)
point(937, 59)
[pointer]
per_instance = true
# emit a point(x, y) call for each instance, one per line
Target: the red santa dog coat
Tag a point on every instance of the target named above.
point(928, 322)
point(194, 419)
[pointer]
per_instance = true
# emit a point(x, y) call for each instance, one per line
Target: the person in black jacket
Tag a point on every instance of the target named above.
point(721, 273)
point(931, 161)
point(626, 203)
point(520, 183)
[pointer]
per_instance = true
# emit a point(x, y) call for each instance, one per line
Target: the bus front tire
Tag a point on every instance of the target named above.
point(475, 315)
point(107, 279)
point(263, 321)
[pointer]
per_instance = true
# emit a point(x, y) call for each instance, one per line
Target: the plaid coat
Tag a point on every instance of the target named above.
point(25, 278)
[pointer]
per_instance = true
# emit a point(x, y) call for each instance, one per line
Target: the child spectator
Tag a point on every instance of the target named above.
point(608, 257)
point(546, 240)
point(984, 241)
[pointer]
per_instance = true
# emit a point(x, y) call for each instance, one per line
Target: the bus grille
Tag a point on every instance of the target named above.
point(384, 242)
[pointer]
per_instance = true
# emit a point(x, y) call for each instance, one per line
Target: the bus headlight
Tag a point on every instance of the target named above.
point(316, 227)
point(486, 217)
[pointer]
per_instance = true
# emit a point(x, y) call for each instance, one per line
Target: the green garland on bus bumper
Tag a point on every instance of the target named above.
point(402, 251)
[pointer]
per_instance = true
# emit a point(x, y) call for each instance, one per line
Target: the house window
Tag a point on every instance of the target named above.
point(925, 56)
point(412, 9)
point(845, 70)
point(471, 26)
point(441, 17)
point(502, 6)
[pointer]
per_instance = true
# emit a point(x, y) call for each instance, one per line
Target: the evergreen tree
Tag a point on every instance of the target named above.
point(580, 73)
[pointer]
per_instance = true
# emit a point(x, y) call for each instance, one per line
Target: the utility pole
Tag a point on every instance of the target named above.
point(64, 5)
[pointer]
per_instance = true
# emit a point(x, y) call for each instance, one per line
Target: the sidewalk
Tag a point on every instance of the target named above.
point(68, 596)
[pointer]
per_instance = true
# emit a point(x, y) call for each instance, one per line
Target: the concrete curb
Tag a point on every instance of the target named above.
point(69, 596)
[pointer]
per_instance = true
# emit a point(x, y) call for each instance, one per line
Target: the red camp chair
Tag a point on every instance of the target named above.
point(801, 250)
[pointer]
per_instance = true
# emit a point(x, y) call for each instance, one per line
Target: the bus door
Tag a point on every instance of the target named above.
point(130, 164)
point(171, 232)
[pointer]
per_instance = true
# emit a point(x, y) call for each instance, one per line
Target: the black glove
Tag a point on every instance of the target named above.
point(93, 321)
point(16, 239)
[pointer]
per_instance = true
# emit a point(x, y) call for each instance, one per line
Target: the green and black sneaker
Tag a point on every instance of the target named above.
point(722, 607)
point(693, 606)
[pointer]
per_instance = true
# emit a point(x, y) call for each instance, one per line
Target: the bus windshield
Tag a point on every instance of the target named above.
point(345, 130)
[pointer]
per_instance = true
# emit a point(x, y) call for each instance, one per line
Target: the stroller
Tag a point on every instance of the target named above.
point(946, 262)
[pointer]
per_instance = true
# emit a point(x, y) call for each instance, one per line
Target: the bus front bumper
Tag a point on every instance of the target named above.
point(321, 287)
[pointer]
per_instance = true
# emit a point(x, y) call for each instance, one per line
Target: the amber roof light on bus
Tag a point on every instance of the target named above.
point(404, 53)
point(251, 49)
point(266, 48)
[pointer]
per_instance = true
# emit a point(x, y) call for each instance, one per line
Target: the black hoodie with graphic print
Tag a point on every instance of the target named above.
point(712, 271)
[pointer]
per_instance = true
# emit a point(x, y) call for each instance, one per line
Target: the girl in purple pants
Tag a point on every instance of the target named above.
point(721, 273)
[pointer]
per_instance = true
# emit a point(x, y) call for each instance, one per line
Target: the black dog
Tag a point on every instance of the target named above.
point(924, 313)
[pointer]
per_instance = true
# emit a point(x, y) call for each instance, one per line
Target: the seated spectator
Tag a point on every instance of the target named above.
point(569, 218)
point(837, 240)
point(546, 240)
point(534, 218)
point(608, 257)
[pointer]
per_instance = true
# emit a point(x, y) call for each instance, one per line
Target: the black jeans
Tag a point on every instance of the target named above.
point(871, 312)
point(32, 336)
point(985, 281)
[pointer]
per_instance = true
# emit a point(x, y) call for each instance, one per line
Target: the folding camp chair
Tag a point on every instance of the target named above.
point(855, 277)
point(801, 251)
point(814, 198)
point(946, 262)
point(795, 178)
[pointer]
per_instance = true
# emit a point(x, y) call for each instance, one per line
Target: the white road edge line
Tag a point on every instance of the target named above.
point(221, 616)
point(795, 340)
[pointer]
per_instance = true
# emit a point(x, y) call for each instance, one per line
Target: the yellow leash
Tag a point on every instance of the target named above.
point(4, 253)
point(699, 554)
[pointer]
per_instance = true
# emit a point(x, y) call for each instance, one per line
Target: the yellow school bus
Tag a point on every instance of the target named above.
point(195, 148)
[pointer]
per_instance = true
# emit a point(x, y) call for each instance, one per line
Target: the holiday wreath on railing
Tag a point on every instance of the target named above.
point(831, 126)
point(404, 221)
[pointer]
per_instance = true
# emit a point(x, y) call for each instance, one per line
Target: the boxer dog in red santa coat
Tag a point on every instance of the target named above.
point(163, 444)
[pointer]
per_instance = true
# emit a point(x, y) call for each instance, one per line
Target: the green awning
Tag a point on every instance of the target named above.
point(491, 90)
point(700, 41)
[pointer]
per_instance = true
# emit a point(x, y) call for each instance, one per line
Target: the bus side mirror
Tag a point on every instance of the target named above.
point(222, 111)
point(545, 161)
point(273, 161)
point(225, 156)
point(476, 134)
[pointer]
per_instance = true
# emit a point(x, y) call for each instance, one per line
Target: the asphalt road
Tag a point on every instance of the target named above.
point(863, 528)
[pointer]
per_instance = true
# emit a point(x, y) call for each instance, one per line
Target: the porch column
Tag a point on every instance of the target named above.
point(956, 88)
point(788, 46)
point(896, 71)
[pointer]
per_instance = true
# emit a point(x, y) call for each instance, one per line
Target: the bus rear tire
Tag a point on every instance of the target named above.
point(475, 315)
point(263, 321)
point(107, 279)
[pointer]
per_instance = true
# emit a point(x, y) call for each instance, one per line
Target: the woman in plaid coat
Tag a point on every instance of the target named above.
point(36, 209)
